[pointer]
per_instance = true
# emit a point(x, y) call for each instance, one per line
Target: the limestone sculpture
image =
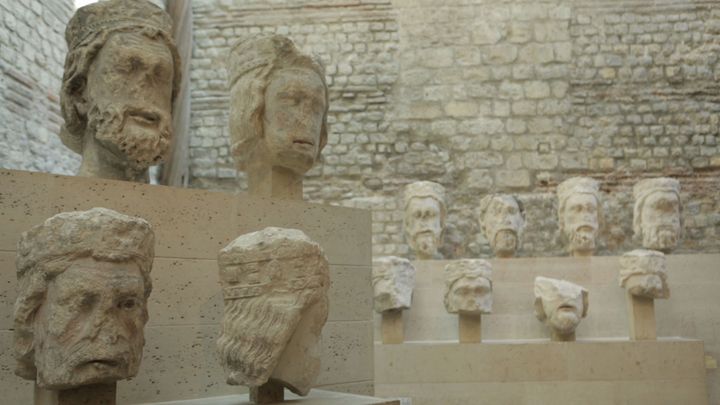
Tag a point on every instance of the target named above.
point(393, 281)
point(424, 221)
point(643, 274)
point(84, 280)
point(275, 285)
point(561, 305)
point(579, 214)
point(122, 73)
point(656, 217)
point(502, 222)
point(468, 287)
point(278, 113)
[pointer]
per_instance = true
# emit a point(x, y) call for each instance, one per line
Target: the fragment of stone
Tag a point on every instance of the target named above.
point(122, 73)
point(424, 219)
point(579, 214)
point(643, 274)
point(393, 281)
point(468, 287)
point(274, 285)
point(502, 221)
point(656, 215)
point(561, 305)
point(84, 280)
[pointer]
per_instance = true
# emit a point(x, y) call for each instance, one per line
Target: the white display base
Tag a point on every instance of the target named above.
point(316, 397)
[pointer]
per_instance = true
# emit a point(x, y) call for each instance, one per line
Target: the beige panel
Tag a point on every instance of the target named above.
point(347, 352)
point(359, 388)
point(8, 285)
point(188, 223)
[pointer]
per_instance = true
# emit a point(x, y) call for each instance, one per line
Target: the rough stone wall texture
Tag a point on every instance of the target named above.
point(32, 55)
point(490, 96)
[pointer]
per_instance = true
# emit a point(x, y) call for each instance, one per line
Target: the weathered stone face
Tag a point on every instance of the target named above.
point(560, 304)
point(468, 287)
point(275, 284)
point(393, 283)
point(643, 273)
point(502, 224)
point(90, 328)
point(423, 226)
point(581, 222)
point(293, 120)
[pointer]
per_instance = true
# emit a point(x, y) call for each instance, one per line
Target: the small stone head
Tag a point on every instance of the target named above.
point(468, 287)
point(275, 284)
point(122, 73)
point(84, 280)
point(560, 304)
point(502, 220)
point(393, 281)
point(278, 104)
point(656, 217)
point(643, 274)
point(580, 214)
point(424, 205)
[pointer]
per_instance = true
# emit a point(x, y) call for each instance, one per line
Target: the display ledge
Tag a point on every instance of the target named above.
point(316, 397)
point(612, 371)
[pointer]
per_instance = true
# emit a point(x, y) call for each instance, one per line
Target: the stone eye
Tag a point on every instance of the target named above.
point(128, 304)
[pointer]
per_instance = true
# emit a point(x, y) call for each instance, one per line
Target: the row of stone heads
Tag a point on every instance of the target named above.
point(122, 76)
point(656, 216)
point(560, 304)
point(84, 282)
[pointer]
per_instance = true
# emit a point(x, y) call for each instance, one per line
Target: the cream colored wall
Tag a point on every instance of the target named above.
point(185, 306)
point(693, 310)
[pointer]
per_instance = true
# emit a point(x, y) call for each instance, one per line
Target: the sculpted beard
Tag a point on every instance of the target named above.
point(505, 240)
point(144, 146)
point(564, 320)
point(661, 236)
point(426, 241)
point(583, 237)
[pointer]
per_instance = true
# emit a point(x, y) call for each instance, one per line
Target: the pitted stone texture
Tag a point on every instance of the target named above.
point(561, 305)
point(657, 220)
point(82, 298)
point(122, 73)
point(393, 283)
point(425, 212)
point(468, 287)
point(275, 285)
point(643, 273)
point(502, 221)
point(580, 214)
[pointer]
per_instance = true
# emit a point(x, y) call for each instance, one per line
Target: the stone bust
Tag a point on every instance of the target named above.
point(579, 214)
point(502, 220)
point(275, 285)
point(84, 280)
point(122, 73)
point(561, 305)
point(468, 287)
point(656, 216)
point(424, 219)
point(278, 107)
point(393, 281)
point(643, 274)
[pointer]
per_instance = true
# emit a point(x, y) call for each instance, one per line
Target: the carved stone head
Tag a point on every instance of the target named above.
point(122, 73)
point(278, 104)
point(468, 287)
point(393, 281)
point(579, 214)
point(643, 274)
point(560, 304)
point(275, 284)
point(502, 220)
point(656, 217)
point(424, 205)
point(84, 280)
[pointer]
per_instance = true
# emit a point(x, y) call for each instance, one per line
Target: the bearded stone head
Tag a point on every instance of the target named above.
point(424, 205)
point(468, 287)
point(580, 214)
point(502, 221)
point(84, 280)
point(122, 73)
point(561, 305)
point(656, 216)
point(643, 274)
point(275, 284)
point(393, 281)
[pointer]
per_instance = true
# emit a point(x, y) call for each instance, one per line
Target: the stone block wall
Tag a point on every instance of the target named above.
point(32, 43)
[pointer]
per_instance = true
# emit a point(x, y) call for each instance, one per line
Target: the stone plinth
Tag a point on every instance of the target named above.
point(316, 397)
